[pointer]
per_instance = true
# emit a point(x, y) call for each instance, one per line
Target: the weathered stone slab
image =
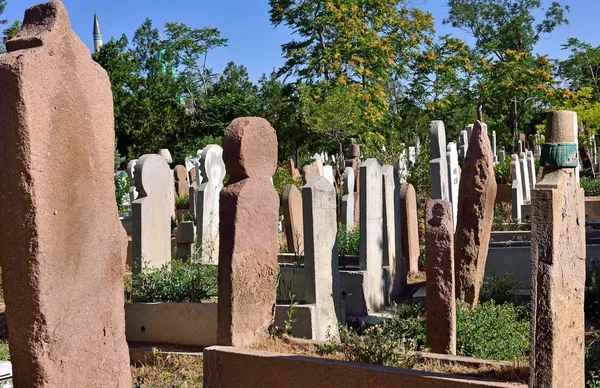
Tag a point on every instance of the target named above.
point(186, 233)
point(322, 274)
point(151, 213)
point(348, 198)
point(453, 179)
point(438, 168)
point(392, 236)
point(517, 188)
point(294, 173)
point(63, 259)
point(292, 219)
point(182, 187)
point(410, 227)
point(463, 146)
point(371, 232)
point(439, 258)
point(477, 194)
point(525, 177)
point(249, 215)
point(558, 269)
point(531, 168)
point(353, 160)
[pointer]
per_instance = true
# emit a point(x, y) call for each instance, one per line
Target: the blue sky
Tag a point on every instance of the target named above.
point(253, 41)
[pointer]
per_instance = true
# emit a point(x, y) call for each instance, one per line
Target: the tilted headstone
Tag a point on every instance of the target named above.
point(494, 147)
point(348, 198)
point(531, 168)
point(477, 194)
point(517, 188)
point(151, 213)
point(64, 266)
point(557, 357)
point(292, 219)
point(410, 228)
point(525, 177)
point(182, 187)
point(440, 287)
point(371, 231)
point(438, 168)
point(249, 214)
point(453, 179)
point(213, 173)
point(392, 236)
point(321, 267)
point(463, 146)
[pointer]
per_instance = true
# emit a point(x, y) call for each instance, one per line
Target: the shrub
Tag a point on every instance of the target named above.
point(348, 241)
point(590, 186)
point(497, 332)
point(592, 365)
point(283, 178)
point(592, 292)
point(182, 201)
point(502, 172)
point(501, 290)
point(122, 186)
point(175, 282)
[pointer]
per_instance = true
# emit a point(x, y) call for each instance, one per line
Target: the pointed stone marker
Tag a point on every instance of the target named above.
point(292, 218)
point(410, 228)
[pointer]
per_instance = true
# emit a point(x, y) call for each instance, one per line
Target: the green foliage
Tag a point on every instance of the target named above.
point(582, 68)
point(592, 292)
point(503, 220)
point(182, 201)
point(590, 186)
point(4, 351)
point(502, 172)
point(419, 177)
point(122, 186)
point(283, 178)
point(175, 282)
point(501, 290)
point(490, 331)
point(348, 241)
point(592, 365)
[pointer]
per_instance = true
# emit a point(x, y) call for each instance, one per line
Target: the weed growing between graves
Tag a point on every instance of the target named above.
point(501, 290)
point(177, 281)
point(491, 331)
point(592, 365)
point(348, 242)
point(503, 220)
point(283, 178)
point(122, 186)
point(502, 172)
point(4, 353)
point(592, 292)
point(182, 201)
point(590, 186)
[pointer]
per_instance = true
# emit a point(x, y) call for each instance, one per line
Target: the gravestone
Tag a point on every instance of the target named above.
point(453, 179)
point(494, 147)
point(576, 136)
point(520, 147)
point(151, 213)
point(438, 168)
point(249, 246)
point(64, 266)
point(392, 236)
point(348, 198)
point(315, 169)
point(517, 188)
point(192, 176)
point(531, 143)
point(198, 166)
point(294, 173)
point(133, 194)
point(166, 154)
point(321, 267)
point(186, 232)
point(213, 173)
point(182, 187)
point(502, 155)
point(328, 174)
point(292, 218)
point(477, 194)
point(463, 146)
point(410, 228)
point(469, 129)
point(557, 356)
point(412, 156)
point(440, 291)
point(401, 165)
point(525, 177)
point(531, 168)
point(371, 232)
point(353, 160)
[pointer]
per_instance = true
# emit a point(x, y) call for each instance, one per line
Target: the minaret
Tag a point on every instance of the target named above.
point(97, 34)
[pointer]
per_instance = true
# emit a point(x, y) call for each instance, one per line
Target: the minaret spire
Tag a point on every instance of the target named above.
point(97, 33)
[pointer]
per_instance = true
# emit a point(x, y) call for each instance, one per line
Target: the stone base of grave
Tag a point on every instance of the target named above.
point(305, 318)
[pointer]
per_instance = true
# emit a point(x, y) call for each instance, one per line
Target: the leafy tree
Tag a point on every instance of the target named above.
point(584, 103)
point(582, 68)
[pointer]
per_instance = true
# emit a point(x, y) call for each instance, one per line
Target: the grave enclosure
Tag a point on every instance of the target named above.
point(68, 255)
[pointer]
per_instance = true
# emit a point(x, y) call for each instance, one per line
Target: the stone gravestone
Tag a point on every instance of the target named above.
point(502, 155)
point(249, 246)
point(182, 187)
point(441, 303)
point(438, 168)
point(328, 174)
point(166, 154)
point(517, 189)
point(151, 213)
point(213, 173)
point(412, 156)
point(392, 236)
point(525, 177)
point(453, 179)
point(186, 232)
point(531, 168)
point(314, 169)
point(371, 232)
point(410, 228)
point(531, 143)
point(321, 267)
point(353, 160)
point(469, 130)
point(63, 268)
point(494, 147)
point(133, 194)
point(558, 254)
point(348, 198)
point(294, 173)
point(292, 218)
point(477, 194)
point(464, 146)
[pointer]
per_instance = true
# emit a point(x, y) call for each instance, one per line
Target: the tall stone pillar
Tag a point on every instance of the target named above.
point(558, 262)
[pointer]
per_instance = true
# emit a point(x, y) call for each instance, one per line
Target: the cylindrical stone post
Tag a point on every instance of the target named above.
point(441, 301)
point(558, 262)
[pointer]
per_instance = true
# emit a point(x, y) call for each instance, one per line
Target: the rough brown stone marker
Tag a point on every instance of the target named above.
point(62, 250)
point(249, 212)
point(558, 262)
